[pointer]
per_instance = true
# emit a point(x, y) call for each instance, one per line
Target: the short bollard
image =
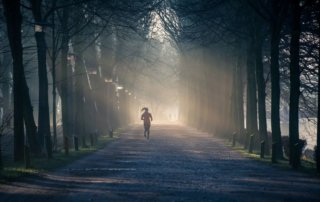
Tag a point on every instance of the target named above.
point(66, 145)
point(246, 140)
point(91, 139)
point(1, 164)
point(27, 156)
point(76, 143)
point(273, 156)
point(95, 137)
point(262, 145)
point(296, 155)
point(234, 139)
point(251, 143)
point(111, 133)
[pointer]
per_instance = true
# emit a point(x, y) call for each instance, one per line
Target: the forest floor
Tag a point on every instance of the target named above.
point(176, 164)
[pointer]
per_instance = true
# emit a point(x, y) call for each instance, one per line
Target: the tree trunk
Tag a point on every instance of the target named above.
point(80, 99)
point(239, 96)
point(318, 113)
point(294, 85)
point(206, 102)
point(54, 90)
point(65, 79)
point(106, 62)
point(1, 163)
point(44, 115)
point(251, 92)
point(6, 65)
point(318, 119)
point(261, 89)
point(279, 9)
point(31, 128)
point(13, 20)
point(275, 95)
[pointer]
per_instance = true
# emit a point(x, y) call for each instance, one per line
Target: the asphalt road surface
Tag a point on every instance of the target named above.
point(176, 164)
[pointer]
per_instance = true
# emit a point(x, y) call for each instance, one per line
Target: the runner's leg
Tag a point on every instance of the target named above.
point(145, 130)
point(148, 132)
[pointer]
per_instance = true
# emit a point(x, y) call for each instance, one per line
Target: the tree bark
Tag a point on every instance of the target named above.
point(13, 20)
point(31, 128)
point(261, 89)
point(275, 95)
point(278, 13)
point(44, 115)
point(252, 127)
point(318, 118)
point(6, 69)
point(80, 99)
point(318, 113)
point(239, 96)
point(294, 84)
point(54, 90)
point(65, 79)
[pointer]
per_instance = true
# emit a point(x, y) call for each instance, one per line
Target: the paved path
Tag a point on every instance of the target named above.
point(176, 164)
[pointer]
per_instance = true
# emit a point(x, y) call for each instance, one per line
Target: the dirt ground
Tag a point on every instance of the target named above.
point(176, 164)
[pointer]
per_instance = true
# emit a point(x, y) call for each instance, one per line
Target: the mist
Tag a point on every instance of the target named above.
point(227, 68)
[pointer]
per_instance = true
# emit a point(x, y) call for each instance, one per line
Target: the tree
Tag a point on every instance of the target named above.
point(13, 20)
point(274, 13)
point(318, 122)
point(44, 115)
point(317, 154)
point(65, 79)
point(294, 157)
point(261, 84)
point(252, 126)
point(278, 12)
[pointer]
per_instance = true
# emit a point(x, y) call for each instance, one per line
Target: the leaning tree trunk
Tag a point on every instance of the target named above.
point(13, 20)
point(294, 85)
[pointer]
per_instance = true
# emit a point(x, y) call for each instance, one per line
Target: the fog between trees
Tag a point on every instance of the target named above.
point(224, 67)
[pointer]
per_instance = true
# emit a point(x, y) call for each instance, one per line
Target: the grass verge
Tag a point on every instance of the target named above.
point(307, 166)
point(13, 170)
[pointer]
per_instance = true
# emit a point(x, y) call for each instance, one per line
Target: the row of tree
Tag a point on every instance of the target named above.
point(81, 50)
point(269, 47)
point(264, 51)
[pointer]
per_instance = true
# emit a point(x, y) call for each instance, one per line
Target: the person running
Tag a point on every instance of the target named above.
point(147, 118)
